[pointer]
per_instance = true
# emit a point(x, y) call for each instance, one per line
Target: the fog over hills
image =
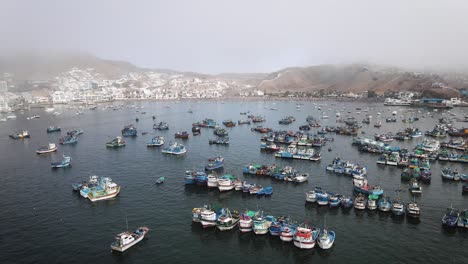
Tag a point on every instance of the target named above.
point(357, 77)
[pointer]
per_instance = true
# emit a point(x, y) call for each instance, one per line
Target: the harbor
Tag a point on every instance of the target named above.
point(47, 201)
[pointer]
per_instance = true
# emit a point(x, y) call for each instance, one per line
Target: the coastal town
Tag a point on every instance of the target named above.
point(88, 86)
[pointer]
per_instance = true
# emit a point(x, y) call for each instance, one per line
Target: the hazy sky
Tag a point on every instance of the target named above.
point(215, 36)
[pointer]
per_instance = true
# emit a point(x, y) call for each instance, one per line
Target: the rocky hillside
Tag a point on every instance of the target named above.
point(350, 78)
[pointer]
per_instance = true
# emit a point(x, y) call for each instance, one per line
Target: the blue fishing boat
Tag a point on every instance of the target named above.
point(189, 178)
point(335, 200)
point(322, 198)
point(175, 149)
point(155, 142)
point(451, 216)
point(52, 129)
point(215, 163)
point(385, 204)
point(268, 190)
point(347, 202)
point(275, 228)
point(65, 162)
point(129, 131)
point(68, 139)
point(201, 178)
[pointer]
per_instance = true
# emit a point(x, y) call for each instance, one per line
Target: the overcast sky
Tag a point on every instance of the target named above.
point(215, 36)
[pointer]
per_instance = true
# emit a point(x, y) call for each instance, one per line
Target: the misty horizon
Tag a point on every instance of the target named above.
point(242, 37)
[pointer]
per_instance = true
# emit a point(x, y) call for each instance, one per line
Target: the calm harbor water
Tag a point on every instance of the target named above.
point(43, 221)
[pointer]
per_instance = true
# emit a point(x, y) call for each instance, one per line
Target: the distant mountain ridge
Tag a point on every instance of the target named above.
point(342, 78)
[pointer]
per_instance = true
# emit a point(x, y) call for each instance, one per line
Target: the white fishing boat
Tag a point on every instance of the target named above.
point(126, 240)
point(51, 147)
point(326, 239)
point(225, 184)
point(260, 224)
point(106, 189)
point(305, 237)
point(212, 181)
point(287, 234)
point(227, 220)
point(208, 218)
point(301, 177)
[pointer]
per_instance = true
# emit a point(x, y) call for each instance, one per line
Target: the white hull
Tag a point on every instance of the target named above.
point(286, 237)
point(101, 198)
point(260, 231)
point(212, 184)
point(304, 244)
point(392, 163)
point(122, 249)
point(322, 202)
point(311, 199)
point(223, 188)
point(208, 223)
point(325, 245)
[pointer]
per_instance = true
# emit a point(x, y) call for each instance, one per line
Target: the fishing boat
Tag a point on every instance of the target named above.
point(412, 209)
point(161, 126)
point(322, 198)
point(196, 213)
point(246, 222)
point(226, 183)
point(414, 187)
point(208, 218)
point(227, 220)
point(183, 135)
point(302, 177)
point(361, 186)
point(220, 132)
point(175, 149)
point(267, 191)
point(276, 226)
point(244, 122)
point(287, 232)
point(449, 174)
point(346, 202)
point(160, 180)
point(260, 224)
point(215, 163)
point(451, 216)
point(385, 204)
point(68, 139)
point(463, 219)
point(20, 135)
point(326, 238)
point(229, 123)
point(155, 142)
point(189, 178)
point(106, 189)
point(52, 129)
point(311, 196)
point(129, 131)
point(212, 181)
point(334, 200)
point(398, 207)
point(305, 236)
point(360, 202)
point(219, 141)
point(201, 179)
point(126, 240)
point(65, 162)
point(196, 130)
point(51, 147)
point(115, 143)
point(372, 201)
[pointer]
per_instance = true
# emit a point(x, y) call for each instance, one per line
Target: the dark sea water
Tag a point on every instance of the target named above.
point(44, 221)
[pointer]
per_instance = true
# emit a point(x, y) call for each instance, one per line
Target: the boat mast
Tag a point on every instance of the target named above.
point(126, 220)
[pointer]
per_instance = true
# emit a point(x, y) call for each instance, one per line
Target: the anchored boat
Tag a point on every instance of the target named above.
point(51, 147)
point(65, 162)
point(20, 135)
point(115, 143)
point(155, 142)
point(126, 240)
